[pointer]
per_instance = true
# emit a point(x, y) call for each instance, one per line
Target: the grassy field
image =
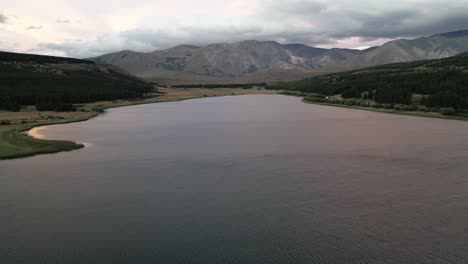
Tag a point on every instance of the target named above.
point(14, 143)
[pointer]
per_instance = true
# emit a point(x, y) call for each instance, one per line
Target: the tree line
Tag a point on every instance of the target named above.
point(29, 85)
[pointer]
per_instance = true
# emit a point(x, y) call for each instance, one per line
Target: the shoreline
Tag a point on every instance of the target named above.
point(35, 132)
point(26, 140)
point(394, 112)
point(20, 140)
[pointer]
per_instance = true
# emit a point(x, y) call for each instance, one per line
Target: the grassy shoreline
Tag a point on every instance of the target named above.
point(15, 143)
point(395, 112)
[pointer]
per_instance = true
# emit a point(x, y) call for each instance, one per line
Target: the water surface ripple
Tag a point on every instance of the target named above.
point(247, 179)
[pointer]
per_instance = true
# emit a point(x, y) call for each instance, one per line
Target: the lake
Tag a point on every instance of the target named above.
point(241, 179)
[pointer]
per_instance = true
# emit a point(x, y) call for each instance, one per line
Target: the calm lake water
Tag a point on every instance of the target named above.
point(246, 179)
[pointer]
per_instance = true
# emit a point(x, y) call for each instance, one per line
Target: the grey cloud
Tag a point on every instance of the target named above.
point(396, 24)
point(311, 22)
point(149, 40)
point(366, 18)
point(296, 7)
point(34, 27)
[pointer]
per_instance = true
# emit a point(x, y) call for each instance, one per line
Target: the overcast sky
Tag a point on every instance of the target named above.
point(87, 28)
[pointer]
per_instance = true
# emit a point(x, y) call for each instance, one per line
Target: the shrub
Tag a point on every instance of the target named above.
point(448, 111)
point(388, 106)
point(316, 95)
point(376, 105)
point(412, 108)
point(418, 99)
point(310, 98)
point(402, 107)
point(423, 108)
point(319, 98)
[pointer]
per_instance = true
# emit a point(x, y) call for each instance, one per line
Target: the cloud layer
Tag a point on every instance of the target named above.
point(144, 25)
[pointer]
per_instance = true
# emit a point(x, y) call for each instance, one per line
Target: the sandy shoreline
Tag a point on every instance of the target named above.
point(35, 132)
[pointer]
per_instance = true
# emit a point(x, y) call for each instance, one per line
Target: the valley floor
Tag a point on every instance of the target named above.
point(14, 143)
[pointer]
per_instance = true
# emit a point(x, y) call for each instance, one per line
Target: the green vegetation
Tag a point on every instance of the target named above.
point(415, 110)
point(15, 144)
point(53, 83)
point(432, 85)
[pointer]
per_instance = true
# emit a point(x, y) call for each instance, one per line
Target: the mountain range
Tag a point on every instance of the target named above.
point(269, 61)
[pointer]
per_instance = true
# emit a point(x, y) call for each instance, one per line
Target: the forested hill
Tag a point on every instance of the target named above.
point(442, 83)
point(55, 83)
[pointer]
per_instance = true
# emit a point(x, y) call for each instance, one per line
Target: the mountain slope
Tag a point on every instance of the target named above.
point(226, 61)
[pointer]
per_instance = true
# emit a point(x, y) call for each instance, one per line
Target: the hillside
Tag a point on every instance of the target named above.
point(53, 83)
point(269, 61)
point(433, 83)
